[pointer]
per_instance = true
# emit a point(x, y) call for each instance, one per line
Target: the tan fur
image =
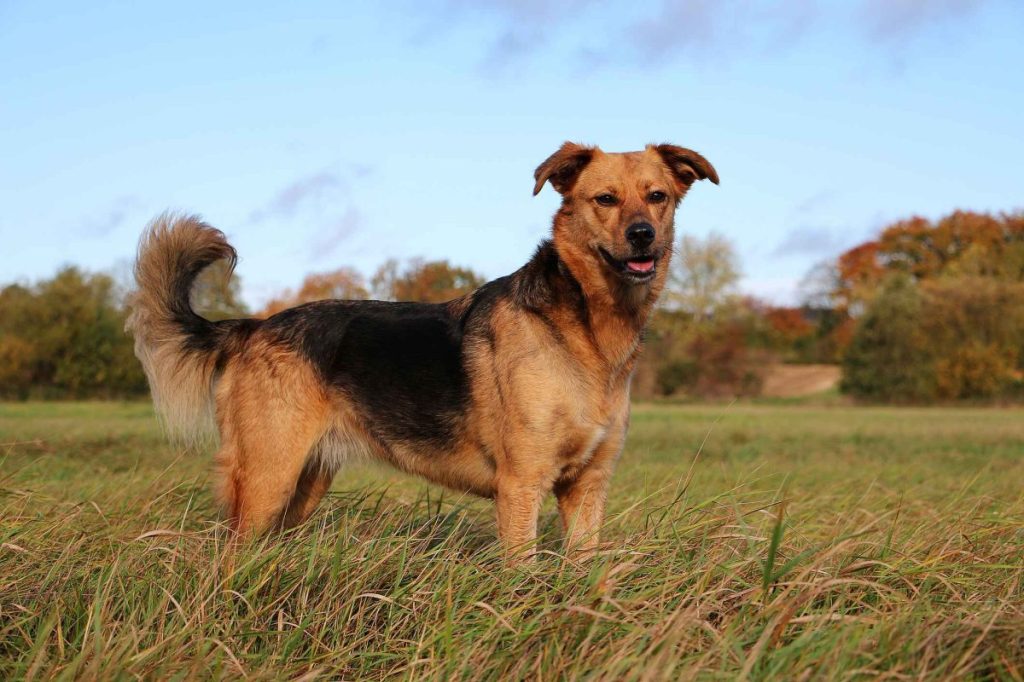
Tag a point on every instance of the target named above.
point(271, 412)
point(549, 398)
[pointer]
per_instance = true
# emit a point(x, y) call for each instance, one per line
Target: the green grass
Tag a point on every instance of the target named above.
point(803, 542)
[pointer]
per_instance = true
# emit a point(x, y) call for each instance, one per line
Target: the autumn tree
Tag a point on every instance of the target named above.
point(703, 275)
point(64, 337)
point(703, 339)
point(859, 274)
point(976, 328)
point(889, 358)
point(216, 294)
point(788, 324)
point(344, 283)
point(424, 281)
point(964, 243)
point(945, 338)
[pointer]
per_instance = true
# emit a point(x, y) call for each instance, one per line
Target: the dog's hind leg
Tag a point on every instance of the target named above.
point(271, 418)
point(263, 476)
point(314, 482)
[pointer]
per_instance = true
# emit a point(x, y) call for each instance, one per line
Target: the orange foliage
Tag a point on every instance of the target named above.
point(859, 272)
point(962, 243)
point(841, 336)
point(343, 283)
point(425, 281)
point(789, 324)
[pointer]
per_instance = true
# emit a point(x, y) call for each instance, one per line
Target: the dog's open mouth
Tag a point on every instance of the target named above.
point(634, 269)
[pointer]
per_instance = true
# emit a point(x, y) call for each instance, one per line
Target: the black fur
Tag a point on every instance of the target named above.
point(404, 364)
point(201, 335)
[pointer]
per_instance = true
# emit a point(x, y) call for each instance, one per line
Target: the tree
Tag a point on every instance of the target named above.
point(859, 274)
point(704, 275)
point(723, 355)
point(424, 281)
point(889, 358)
point(344, 283)
point(976, 327)
point(788, 325)
point(951, 339)
point(963, 243)
point(216, 294)
point(382, 284)
point(64, 337)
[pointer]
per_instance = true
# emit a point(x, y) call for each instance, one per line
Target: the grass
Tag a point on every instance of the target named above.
point(804, 542)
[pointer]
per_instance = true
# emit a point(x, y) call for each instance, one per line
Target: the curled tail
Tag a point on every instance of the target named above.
point(179, 350)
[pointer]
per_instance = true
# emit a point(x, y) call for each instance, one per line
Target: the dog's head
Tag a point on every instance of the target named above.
point(618, 209)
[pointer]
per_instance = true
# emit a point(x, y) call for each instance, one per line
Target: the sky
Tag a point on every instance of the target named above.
point(327, 134)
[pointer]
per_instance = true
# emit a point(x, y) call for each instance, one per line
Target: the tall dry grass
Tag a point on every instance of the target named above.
point(852, 561)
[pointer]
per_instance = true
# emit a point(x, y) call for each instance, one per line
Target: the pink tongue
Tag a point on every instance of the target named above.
point(640, 265)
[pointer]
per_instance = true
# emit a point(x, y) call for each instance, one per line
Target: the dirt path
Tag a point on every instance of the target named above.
point(788, 381)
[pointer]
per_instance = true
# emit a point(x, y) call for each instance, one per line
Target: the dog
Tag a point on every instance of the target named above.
point(511, 392)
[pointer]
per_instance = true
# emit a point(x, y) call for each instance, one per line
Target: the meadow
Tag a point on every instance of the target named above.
point(759, 541)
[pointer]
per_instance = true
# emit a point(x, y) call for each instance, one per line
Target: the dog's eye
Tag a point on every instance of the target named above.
point(606, 199)
point(656, 197)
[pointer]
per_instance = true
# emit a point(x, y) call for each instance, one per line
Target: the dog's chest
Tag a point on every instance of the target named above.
point(580, 447)
point(588, 422)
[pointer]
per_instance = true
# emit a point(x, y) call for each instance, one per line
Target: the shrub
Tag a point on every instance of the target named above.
point(889, 358)
point(677, 375)
point(955, 338)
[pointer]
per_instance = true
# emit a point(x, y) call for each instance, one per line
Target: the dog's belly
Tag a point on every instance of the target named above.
point(457, 464)
point(464, 469)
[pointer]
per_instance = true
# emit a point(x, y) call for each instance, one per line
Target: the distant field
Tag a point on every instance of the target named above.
point(807, 542)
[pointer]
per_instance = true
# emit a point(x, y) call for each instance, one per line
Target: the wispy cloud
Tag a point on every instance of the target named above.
point(304, 191)
point(691, 27)
point(324, 201)
point(110, 218)
point(897, 20)
point(336, 233)
point(696, 30)
point(808, 240)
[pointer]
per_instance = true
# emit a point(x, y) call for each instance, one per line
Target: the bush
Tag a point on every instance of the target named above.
point(956, 338)
point(889, 358)
point(64, 338)
point(974, 371)
point(677, 375)
point(718, 356)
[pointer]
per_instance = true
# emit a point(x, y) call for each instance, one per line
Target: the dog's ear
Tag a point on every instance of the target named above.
point(563, 167)
point(686, 165)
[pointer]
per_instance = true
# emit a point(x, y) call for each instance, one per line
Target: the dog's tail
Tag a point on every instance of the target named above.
point(179, 350)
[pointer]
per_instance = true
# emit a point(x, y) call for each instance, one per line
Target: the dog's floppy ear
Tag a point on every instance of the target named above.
point(686, 165)
point(563, 167)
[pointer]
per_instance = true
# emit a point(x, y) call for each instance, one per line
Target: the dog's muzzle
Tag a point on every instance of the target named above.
point(635, 269)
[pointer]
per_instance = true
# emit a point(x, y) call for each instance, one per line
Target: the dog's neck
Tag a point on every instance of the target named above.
point(612, 313)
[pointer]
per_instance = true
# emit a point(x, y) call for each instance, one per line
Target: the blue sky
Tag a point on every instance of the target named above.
point(324, 134)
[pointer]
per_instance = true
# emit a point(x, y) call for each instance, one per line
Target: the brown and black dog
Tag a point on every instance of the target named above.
point(516, 390)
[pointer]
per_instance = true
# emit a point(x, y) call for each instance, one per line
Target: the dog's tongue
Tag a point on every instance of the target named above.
point(640, 265)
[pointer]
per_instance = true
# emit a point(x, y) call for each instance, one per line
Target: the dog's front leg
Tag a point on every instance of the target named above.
point(581, 500)
point(518, 503)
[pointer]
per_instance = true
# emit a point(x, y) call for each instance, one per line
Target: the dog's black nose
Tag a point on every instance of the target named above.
point(640, 235)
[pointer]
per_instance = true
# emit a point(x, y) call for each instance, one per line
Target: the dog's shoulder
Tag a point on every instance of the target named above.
point(545, 282)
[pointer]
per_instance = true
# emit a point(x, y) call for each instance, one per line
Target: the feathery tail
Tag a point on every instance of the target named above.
point(179, 350)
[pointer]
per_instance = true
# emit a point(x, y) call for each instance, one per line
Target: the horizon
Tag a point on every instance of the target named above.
point(330, 136)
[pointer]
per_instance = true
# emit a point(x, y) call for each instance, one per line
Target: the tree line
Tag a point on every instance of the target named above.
point(925, 311)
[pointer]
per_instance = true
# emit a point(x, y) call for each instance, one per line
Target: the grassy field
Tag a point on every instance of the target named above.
point(802, 543)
